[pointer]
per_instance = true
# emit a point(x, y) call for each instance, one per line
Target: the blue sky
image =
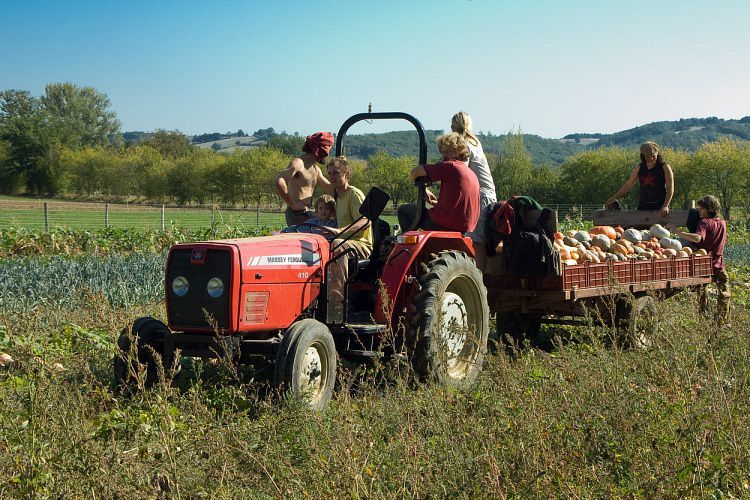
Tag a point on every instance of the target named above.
point(548, 67)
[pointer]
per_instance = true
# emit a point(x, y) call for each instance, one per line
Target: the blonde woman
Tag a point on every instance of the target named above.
point(461, 124)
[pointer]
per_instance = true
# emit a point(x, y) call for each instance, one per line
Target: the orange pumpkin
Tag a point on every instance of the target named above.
point(559, 235)
point(619, 230)
point(607, 231)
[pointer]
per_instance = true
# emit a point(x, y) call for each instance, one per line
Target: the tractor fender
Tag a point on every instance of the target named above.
point(401, 265)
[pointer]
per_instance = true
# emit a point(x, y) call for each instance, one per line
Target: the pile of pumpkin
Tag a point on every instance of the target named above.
point(603, 243)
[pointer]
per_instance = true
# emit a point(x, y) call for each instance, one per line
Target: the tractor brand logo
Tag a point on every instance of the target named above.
point(305, 258)
point(198, 255)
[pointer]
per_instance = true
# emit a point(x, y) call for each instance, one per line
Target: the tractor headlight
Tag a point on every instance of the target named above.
point(215, 287)
point(180, 286)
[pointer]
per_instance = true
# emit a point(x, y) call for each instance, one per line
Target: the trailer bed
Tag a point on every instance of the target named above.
point(553, 294)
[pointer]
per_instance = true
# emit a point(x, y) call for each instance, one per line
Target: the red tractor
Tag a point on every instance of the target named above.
point(419, 293)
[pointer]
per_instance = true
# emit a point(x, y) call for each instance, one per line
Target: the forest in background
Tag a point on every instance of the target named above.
point(68, 143)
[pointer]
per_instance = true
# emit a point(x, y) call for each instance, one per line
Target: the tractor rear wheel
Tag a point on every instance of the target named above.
point(306, 363)
point(143, 345)
point(450, 325)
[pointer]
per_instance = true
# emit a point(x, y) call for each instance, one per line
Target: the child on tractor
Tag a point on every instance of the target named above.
point(325, 211)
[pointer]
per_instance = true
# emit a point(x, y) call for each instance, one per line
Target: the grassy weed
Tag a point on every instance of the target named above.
point(584, 420)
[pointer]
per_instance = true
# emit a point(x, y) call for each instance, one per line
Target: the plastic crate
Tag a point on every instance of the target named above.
point(683, 267)
point(598, 274)
point(702, 265)
point(663, 269)
point(621, 272)
point(643, 270)
point(574, 276)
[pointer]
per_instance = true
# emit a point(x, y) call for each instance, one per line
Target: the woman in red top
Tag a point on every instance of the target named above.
point(711, 235)
point(457, 208)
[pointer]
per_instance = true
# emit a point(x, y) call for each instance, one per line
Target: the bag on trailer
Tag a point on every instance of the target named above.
point(529, 251)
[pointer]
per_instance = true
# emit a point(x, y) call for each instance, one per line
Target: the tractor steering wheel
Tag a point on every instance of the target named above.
point(316, 228)
point(421, 183)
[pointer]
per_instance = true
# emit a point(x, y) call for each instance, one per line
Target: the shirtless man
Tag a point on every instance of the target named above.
point(296, 183)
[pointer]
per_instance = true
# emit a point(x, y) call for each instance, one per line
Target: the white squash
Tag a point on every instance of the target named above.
point(582, 236)
point(602, 241)
point(684, 242)
point(670, 243)
point(632, 235)
point(659, 231)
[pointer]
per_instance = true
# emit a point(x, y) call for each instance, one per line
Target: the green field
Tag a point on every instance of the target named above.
point(74, 215)
point(145, 218)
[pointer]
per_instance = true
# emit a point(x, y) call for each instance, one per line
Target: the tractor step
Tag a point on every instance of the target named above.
point(362, 354)
point(365, 328)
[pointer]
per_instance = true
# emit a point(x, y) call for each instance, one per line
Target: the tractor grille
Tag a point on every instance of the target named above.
point(189, 311)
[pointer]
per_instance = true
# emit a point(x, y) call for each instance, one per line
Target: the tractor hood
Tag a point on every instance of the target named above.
point(282, 258)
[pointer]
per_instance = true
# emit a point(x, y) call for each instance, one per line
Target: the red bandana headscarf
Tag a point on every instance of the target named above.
point(319, 144)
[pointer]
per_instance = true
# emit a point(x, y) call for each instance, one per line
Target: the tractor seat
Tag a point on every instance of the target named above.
point(380, 229)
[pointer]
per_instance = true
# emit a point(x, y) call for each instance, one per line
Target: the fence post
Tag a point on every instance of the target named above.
point(162, 218)
point(46, 218)
point(106, 215)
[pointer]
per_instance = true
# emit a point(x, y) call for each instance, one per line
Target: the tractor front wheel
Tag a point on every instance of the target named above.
point(306, 363)
point(450, 325)
point(140, 346)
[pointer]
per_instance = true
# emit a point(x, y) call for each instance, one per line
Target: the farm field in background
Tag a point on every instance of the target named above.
point(29, 214)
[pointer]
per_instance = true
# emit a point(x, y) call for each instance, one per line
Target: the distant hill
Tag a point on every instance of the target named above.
point(231, 143)
point(404, 143)
point(687, 133)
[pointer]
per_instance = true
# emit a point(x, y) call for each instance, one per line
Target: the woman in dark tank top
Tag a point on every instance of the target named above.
point(655, 180)
point(653, 185)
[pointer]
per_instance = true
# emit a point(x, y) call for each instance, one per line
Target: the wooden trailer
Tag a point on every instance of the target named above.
point(623, 293)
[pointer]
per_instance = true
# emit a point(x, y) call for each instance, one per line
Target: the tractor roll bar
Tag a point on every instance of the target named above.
point(392, 115)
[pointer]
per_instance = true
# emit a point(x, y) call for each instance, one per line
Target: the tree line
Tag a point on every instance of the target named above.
point(68, 142)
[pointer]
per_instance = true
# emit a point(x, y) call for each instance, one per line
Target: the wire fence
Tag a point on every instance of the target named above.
point(75, 215)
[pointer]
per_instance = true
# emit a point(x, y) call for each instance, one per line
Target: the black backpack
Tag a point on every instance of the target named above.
point(529, 251)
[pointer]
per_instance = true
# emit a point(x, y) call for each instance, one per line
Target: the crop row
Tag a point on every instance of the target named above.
point(122, 280)
point(66, 241)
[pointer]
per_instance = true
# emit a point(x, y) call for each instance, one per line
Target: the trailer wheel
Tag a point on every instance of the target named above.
point(449, 328)
point(306, 363)
point(514, 328)
point(148, 335)
point(639, 322)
